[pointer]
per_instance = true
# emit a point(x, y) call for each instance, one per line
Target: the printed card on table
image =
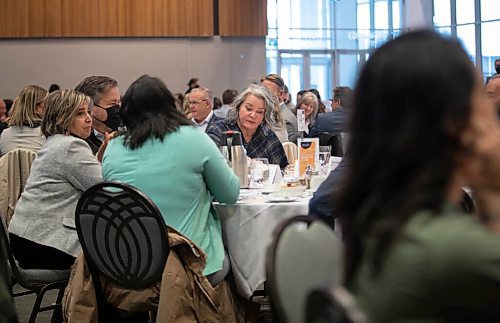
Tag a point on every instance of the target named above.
point(301, 120)
point(308, 154)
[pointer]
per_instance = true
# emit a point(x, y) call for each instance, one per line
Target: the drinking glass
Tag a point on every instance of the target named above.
point(324, 159)
point(259, 171)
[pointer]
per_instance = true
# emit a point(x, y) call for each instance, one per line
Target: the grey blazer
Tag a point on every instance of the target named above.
point(64, 168)
point(291, 123)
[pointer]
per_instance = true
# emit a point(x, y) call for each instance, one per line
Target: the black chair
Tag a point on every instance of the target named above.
point(36, 281)
point(334, 140)
point(7, 310)
point(333, 305)
point(124, 239)
point(305, 253)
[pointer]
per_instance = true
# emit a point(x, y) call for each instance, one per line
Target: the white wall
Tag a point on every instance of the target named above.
point(218, 62)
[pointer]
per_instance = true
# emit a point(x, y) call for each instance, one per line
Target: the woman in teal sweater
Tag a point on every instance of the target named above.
point(178, 166)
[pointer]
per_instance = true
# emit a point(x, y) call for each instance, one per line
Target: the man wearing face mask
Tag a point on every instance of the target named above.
point(105, 95)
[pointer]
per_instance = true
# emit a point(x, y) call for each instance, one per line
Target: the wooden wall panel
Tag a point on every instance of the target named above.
point(243, 17)
point(76, 18)
point(184, 18)
point(105, 18)
point(13, 15)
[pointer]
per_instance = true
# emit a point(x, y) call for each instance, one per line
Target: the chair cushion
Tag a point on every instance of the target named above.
point(43, 276)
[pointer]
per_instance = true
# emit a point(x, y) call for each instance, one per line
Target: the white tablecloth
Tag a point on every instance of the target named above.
point(247, 229)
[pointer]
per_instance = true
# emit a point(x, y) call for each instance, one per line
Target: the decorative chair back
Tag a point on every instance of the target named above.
point(305, 254)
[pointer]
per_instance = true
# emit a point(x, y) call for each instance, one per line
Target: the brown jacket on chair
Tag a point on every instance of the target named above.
point(15, 168)
point(183, 295)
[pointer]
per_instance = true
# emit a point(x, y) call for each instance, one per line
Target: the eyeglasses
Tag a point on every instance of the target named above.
point(196, 102)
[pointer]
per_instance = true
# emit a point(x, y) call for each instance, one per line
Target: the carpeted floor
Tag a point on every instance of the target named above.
point(24, 304)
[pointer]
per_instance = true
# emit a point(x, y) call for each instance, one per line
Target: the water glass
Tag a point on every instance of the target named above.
point(324, 159)
point(259, 171)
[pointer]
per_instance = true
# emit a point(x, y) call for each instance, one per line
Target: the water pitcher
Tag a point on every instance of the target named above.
point(231, 146)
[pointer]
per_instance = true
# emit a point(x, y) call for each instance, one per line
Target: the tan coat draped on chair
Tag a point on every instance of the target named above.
point(183, 295)
point(291, 152)
point(15, 168)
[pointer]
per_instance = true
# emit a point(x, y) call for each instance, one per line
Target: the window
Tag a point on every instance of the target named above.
point(324, 43)
point(490, 17)
point(481, 46)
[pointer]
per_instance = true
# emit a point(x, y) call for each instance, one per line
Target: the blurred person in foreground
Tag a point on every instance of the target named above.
point(421, 132)
point(251, 114)
point(176, 165)
point(42, 231)
point(24, 122)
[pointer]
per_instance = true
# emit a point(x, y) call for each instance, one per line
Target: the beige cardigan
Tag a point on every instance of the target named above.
point(14, 171)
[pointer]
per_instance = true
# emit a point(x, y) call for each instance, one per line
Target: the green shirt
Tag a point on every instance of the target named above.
point(443, 268)
point(180, 175)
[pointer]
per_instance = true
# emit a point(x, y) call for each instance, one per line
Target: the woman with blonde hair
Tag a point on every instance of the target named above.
point(252, 114)
point(42, 230)
point(24, 122)
point(309, 103)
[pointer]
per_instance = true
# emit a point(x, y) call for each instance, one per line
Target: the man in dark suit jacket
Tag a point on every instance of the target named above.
point(336, 121)
point(200, 104)
point(322, 203)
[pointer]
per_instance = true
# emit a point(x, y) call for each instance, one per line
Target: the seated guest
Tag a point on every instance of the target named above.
point(252, 115)
point(42, 230)
point(336, 121)
point(192, 84)
point(200, 102)
point(420, 132)
point(227, 98)
point(3, 116)
point(105, 97)
point(321, 204)
point(493, 90)
point(321, 106)
point(176, 165)
point(309, 103)
point(279, 126)
point(24, 122)
point(276, 85)
point(54, 87)
point(185, 106)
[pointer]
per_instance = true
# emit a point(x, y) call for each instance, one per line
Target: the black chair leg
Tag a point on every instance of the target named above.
point(57, 314)
point(36, 306)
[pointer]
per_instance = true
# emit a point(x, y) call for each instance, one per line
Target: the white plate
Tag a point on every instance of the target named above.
point(280, 199)
point(311, 191)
